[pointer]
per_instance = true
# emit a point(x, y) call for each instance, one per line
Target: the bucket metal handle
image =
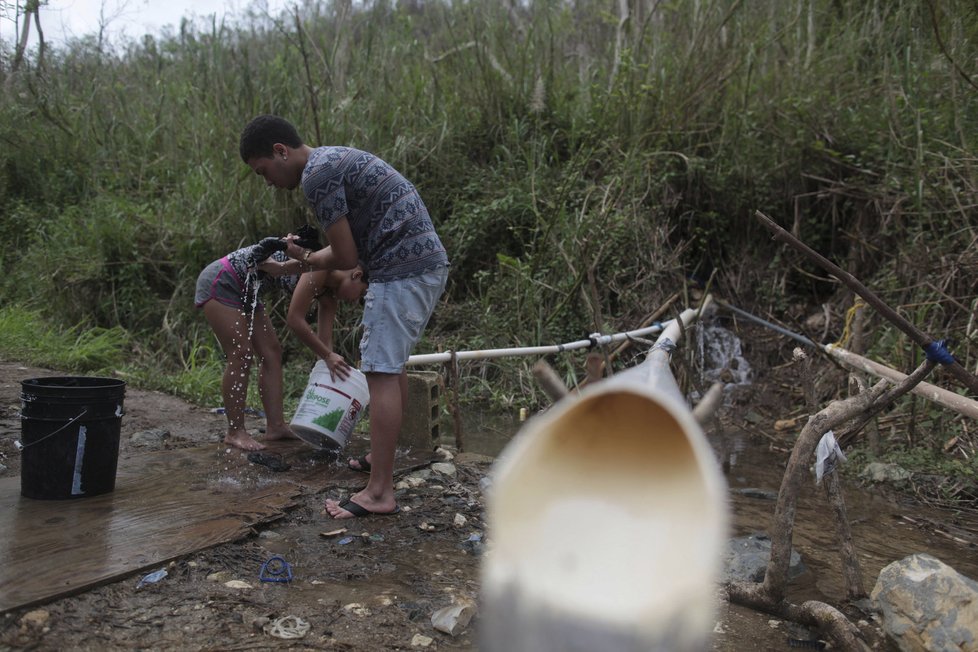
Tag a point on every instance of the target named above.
point(19, 446)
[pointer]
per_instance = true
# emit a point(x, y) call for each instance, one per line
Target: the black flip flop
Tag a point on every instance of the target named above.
point(272, 461)
point(364, 465)
point(360, 511)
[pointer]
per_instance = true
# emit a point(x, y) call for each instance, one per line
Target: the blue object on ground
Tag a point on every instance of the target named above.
point(276, 569)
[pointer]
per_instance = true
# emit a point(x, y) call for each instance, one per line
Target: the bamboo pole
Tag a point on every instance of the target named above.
point(608, 517)
point(956, 402)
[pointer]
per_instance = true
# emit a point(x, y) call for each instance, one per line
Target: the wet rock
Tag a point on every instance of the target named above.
point(420, 640)
point(35, 620)
point(883, 472)
point(220, 576)
point(453, 620)
point(760, 494)
point(445, 454)
point(747, 557)
point(356, 609)
point(927, 605)
point(444, 468)
point(271, 535)
point(238, 584)
point(153, 437)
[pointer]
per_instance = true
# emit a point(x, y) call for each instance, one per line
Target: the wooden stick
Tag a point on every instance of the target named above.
point(551, 383)
point(961, 374)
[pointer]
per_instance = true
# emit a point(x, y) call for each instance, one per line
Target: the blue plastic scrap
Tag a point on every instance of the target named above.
point(276, 569)
point(345, 540)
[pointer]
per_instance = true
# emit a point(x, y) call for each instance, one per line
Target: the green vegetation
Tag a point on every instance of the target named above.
point(579, 164)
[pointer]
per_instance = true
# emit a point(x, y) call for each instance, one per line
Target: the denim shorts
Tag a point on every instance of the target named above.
point(395, 314)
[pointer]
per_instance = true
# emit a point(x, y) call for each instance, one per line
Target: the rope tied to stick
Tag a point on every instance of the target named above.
point(847, 328)
point(937, 352)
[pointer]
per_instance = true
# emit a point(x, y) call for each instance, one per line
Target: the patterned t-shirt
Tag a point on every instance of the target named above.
point(241, 262)
point(393, 232)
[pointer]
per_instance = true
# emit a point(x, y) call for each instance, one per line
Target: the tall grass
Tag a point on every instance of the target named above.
point(578, 162)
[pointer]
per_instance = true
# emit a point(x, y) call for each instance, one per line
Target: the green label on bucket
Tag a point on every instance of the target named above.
point(330, 420)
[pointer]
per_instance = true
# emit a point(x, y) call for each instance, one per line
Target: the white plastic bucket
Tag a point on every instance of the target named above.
point(329, 410)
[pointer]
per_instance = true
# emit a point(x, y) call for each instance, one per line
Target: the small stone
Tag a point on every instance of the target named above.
point(220, 576)
point(452, 620)
point(445, 454)
point(35, 619)
point(420, 640)
point(151, 437)
point(270, 535)
point(356, 609)
point(238, 584)
point(444, 468)
point(459, 521)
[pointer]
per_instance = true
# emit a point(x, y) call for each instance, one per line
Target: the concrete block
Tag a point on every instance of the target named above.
point(421, 429)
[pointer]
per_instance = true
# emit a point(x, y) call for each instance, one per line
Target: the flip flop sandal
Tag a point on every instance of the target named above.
point(362, 461)
point(274, 462)
point(360, 511)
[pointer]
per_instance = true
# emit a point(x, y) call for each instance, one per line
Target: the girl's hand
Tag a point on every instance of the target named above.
point(338, 366)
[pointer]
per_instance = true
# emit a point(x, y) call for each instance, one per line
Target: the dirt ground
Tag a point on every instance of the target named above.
point(373, 587)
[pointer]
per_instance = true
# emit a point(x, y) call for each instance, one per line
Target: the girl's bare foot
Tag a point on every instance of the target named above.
point(241, 439)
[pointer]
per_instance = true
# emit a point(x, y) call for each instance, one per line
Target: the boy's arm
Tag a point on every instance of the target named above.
point(340, 254)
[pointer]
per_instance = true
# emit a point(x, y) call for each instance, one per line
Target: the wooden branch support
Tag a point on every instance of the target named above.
point(847, 416)
point(954, 368)
point(851, 572)
point(549, 381)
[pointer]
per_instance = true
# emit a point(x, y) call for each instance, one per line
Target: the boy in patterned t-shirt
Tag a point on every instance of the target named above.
point(374, 217)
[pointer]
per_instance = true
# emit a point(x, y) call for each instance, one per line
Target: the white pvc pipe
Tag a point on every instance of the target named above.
point(485, 354)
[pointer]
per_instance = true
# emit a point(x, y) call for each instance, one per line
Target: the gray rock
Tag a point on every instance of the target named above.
point(151, 437)
point(747, 558)
point(927, 606)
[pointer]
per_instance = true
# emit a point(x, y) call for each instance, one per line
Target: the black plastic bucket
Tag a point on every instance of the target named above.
point(70, 436)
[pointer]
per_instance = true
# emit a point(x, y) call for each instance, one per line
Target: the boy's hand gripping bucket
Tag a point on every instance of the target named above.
point(69, 436)
point(329, 410)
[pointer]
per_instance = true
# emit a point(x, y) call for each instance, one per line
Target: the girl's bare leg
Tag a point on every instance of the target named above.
point(266, 345)
point(230, 325)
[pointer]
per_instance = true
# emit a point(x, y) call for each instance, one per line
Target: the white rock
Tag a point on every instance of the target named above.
point(356, 609)
point(238, 584)
point(420, 640)
point(452, 620)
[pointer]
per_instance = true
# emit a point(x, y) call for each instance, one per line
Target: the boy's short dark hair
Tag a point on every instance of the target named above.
point(262, 132)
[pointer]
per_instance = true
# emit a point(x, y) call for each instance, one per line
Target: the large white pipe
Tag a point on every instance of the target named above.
point(607, 522)
point(485, 354)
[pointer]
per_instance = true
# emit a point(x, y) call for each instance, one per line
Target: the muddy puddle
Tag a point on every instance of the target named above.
point(884, 527)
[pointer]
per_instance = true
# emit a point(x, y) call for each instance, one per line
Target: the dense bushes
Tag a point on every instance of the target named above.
point(578, 164)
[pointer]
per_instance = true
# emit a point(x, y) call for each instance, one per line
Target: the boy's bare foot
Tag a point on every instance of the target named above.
point(243, 440)
point(360, 505)
point(280, 432)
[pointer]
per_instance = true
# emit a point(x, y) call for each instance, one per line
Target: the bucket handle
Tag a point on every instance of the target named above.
point(21, 446)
